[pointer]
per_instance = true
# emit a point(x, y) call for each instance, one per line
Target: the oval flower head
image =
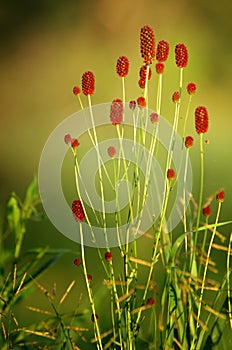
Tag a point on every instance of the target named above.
point(122, 66)
point(171, 174)
point(78, 211)
point(88, 83)
point(141, 102)
point(147, 44)
point(154, 117)
point(189, 141)
point(220, 196)
point(201, 119)
point(144, 72)
point(181, 55)
point(191, 88)
point(116, 111)
point(112, 151)
point(162, 51)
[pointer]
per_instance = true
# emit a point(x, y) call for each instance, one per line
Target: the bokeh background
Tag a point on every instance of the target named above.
point(46, 46)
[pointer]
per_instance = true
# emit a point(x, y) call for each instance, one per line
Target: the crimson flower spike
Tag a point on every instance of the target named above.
point(122, 66)
point(143, 72)
point(201, 119)
point(147, 44)
point(162, 51)
point(116, 111)
point(88, 83)
point(181, 55)
point(78, 211)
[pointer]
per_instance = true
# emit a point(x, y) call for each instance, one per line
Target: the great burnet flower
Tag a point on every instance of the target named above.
point(78, 211)
point(147, 44)
point(76, 90)
point(189, 141)
point(191, 88)
point(141, 102)
point(201, 119)
point(176, 97)
point(162, 51)
point(122, 66)
point(159, 67)
point(206, 211)
point(116, 111)
point(181, 55)
point(108, 256)
point(154, 117)
point(171, 174)
point(111, 151)
point(220, 196)
point(143, 72)
point(88, 83)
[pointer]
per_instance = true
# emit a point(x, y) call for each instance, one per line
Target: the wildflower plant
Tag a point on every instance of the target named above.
point(133, 187)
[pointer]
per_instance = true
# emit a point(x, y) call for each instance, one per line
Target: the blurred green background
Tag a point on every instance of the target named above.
point(45, 48)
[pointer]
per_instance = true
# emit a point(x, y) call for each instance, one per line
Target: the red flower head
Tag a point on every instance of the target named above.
point(74, 143)
point(201, 119)
point(89, 277)
point(147, 44)
point(171, 174)
point(88, 83)
point(77, 262)
point(151, 301)
point(76, 90)
point(207, 211)
point(112, 151)
point(132, 104)
point(122, 66)
point(143, 72)
point(176, 97)
point(141, 102)
point(108, 256)
point(78, 211)
point(191, 88)
point(189, 141)
point(181, 54)
point(116, 111)
point(141, 83)
point(162, 51)
point(220, 196)
point(159, 67)
point(68, 139)
point(154, 117)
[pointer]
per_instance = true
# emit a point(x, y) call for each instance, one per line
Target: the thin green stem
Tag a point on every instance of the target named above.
point(89, 290)
point(194, 341)
point(228, 273)
point(159, 93)
point(155, 250)
point(201, 186)
point(100, 171)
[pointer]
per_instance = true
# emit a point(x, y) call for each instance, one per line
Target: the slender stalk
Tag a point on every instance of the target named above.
point(89, 290)
point(229, 294)
point(186, 116)
point(159, 93)
point(201, 186)
point(155, 250)
point(123, 91)
point(100, 171)
point(193, 345)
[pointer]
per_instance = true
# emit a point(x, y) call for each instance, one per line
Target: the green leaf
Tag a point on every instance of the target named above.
point(31, 198)
point(14, 216)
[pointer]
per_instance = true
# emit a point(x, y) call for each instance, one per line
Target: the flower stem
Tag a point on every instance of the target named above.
point(89, 290)
point(204, 278)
